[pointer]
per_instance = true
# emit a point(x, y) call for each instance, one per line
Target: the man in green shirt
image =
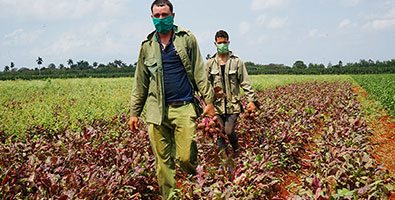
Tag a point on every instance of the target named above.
point(169, 71)
point(227, 71)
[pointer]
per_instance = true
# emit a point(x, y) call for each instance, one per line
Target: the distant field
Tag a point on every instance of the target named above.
point(263, 82)
point(59, 104)
point(380, 87)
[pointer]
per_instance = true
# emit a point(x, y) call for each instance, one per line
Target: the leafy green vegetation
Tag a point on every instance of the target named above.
point(54, 105)
point(379, 87)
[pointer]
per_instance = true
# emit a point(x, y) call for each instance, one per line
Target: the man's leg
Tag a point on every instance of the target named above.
point(183, 119)
point(162, 143)
point(230, 124)
point(220, 140)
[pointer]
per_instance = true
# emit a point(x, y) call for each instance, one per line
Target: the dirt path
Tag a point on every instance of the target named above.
point(383, 138)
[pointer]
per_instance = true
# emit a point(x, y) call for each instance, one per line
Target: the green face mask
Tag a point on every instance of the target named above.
point(223, 48)
point(163, 25)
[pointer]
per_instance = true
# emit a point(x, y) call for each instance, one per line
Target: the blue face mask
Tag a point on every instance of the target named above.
point(163, 25)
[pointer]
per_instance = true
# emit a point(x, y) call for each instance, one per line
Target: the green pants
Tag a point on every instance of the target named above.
point(174, 142)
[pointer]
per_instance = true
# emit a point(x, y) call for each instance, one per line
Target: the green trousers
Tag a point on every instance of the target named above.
point(174, 141)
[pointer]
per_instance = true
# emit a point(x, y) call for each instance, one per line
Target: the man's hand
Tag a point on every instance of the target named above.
point(133, 123)
point(251, 106)
point(209, 110)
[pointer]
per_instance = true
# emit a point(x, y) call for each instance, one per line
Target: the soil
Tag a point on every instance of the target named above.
point(383, 138)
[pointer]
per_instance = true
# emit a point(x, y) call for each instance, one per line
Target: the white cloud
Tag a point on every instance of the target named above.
point(104, 38)
point(347, 23)
point(380, 24)
point(313, 32)
point(112, 7)
point(21, 37)
point(14, 33)
point(244, 27)
point(100, 28)
point(261, 19)
point(67, 43)
point(262, 39)
point(391, 13)
point(58, 9)
point(277, 23)
point(138, 30)
point(383, 20)
point(267, 4)
point(350, 3)
point(344, 23)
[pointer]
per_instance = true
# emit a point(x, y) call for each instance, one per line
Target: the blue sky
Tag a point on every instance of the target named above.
point(261, 31)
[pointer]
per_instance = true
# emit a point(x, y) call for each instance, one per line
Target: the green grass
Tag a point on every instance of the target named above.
point(60, 104)
point(380, 87)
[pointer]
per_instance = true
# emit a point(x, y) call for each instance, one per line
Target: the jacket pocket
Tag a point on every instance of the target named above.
point(151, 65)
point(233, 78)
point(216, 77)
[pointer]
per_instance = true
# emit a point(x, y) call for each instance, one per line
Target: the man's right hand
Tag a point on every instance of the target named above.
point(133, 123)
point(209, 110)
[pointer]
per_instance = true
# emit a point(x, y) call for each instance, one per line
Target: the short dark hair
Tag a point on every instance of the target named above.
point(161, 3)
point(221, 33)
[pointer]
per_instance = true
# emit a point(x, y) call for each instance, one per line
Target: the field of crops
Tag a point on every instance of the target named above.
point(69, 139)
point(381, 88)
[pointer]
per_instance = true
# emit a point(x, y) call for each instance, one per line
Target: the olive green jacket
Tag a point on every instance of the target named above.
point(236, 76)
point(148, 87)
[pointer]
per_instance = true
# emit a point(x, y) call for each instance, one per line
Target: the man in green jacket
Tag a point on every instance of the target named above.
point(169, 71)
point(227, 71)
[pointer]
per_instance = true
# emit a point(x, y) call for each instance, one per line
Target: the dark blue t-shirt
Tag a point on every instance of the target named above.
point(177, 87)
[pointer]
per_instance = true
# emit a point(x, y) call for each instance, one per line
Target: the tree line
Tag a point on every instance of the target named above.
point(117, 68)
point(299, 67)
point(80, 69)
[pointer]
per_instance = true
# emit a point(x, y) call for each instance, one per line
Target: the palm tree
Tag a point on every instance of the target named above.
point(70, 62)
point(39, 62)
point(119, 63)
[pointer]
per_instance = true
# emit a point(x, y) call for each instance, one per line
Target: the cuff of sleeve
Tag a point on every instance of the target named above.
point(134, 114)
point(209, 100)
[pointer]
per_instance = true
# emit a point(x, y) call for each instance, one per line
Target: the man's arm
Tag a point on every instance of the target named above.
point(245, 83)
point(201, 78)
point(139, 92)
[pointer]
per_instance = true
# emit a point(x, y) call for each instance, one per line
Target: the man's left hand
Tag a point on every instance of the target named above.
point(209, 110)
point(251, 106)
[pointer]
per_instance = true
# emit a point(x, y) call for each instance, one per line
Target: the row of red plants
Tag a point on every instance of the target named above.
point(315, 130)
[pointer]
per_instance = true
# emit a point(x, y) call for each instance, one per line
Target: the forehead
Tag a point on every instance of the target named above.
point(161, 9)
point(221, 39)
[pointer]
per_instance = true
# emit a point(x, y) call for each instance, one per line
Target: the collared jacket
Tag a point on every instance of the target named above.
point(148, 87)
point(236, 76)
